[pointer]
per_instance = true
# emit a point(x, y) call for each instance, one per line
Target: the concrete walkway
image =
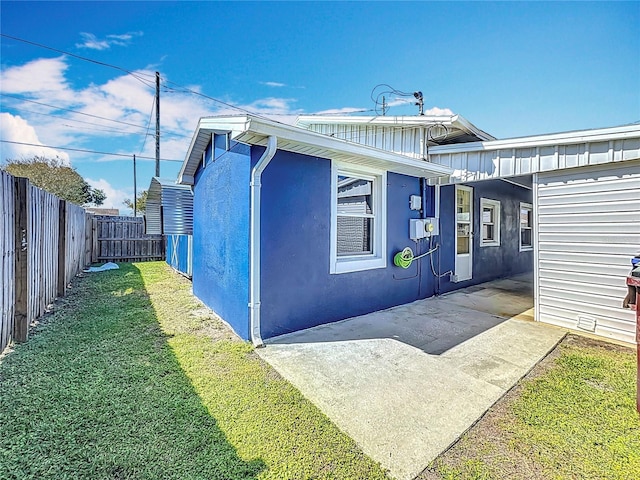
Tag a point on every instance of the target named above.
point(406, 382)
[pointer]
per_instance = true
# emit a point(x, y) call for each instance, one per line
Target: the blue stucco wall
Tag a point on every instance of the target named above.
point(489, 263)
point(178, 253)
point(297, 290)
point(221, 234)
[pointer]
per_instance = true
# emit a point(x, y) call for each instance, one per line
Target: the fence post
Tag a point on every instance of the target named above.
point(94, 240)
point(21, 312)
point(88, 242)
point(62, 248)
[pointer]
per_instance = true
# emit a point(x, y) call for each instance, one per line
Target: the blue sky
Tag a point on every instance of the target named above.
point(511, 68)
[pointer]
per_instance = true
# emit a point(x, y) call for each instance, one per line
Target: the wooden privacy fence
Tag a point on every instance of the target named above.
point(122, 239)
point(46, 241)
point(43, 248)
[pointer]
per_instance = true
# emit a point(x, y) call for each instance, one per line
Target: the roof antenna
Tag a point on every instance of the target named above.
point(384, 106)
point(420, 102)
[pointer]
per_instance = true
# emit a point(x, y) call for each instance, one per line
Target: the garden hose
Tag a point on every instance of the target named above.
point(405, 258)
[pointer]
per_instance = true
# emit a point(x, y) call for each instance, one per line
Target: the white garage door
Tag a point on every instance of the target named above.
point(588, 230)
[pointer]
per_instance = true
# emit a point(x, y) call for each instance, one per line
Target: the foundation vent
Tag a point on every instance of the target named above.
point(587, 323)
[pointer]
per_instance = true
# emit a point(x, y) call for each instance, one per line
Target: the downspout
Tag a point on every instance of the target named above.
point(254, 260)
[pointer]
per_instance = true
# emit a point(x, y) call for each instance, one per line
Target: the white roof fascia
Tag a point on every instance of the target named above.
point(564, 138)
point(206, 126)
point(464, 124)
point(255, 131)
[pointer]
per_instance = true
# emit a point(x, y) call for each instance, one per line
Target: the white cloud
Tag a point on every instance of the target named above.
point(90, 41)
point(40, 77)
point(123, 98)
point(16, 129)
point(400, 101)
point(341, 111)
point(438, 111)
point(115, 197)
point(274, 84)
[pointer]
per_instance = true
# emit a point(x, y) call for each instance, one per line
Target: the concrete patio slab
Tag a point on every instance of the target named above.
point(406, 382)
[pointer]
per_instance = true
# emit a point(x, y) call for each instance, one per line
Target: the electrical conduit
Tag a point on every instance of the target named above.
point(254, 261)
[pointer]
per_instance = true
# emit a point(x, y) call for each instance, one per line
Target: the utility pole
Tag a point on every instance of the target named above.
point(135, 189)
point(157, 124)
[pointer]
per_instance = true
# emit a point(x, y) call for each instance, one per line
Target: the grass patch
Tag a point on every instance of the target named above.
point(131, 377)
point(574, 416)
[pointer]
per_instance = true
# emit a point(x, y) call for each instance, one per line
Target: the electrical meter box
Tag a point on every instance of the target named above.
point(423, 228)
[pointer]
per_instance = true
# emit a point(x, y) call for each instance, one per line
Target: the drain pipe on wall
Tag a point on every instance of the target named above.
point(254, 253)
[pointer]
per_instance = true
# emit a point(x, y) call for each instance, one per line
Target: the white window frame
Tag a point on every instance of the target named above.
point(525, 248)
point(495, 205)
point(377, 259)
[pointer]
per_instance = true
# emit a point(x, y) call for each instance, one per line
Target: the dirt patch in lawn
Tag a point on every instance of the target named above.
point(504, 443)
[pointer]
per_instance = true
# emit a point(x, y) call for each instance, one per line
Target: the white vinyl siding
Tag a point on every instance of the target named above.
point(588, 229)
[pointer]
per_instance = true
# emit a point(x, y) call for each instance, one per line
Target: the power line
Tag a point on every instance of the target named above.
point(105, 129)
point(181, 89)
point(144, 142)
point(71, 110)
point(128, 72)
point(86, 59)
point(148, 83)
point(97, 129)
point(88, 151)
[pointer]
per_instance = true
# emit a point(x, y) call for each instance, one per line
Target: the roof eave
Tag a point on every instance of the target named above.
point(464, 124)
point(255, 131)
point(207, 126)
point(563, 138)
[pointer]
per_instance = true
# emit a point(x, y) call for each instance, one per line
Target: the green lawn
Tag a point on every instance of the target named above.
point(132, 378)
point(574, 418)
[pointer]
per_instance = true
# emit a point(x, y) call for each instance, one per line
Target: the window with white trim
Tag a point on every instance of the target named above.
point(358, 219)
point(526, 226)
point(490, 222)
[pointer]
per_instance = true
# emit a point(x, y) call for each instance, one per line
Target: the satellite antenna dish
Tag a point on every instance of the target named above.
point(420, 102)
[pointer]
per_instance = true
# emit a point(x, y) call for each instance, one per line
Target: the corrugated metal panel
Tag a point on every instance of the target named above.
point(169, 208)
point(401, 139)
point(588, 228)
point(180, 253)
point(153, 210)
point(528, 155)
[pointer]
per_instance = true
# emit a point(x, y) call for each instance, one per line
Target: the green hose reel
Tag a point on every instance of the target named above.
point(404, 258)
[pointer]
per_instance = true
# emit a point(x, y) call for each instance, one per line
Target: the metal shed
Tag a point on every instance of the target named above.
point(169, 212)
point(169, 208)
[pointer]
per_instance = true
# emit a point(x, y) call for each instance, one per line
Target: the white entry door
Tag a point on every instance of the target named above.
point(464, 233)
